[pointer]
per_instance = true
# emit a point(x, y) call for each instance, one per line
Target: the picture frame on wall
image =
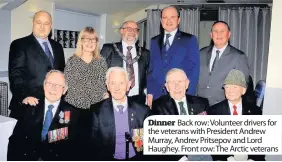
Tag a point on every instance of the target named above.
point(68, 39)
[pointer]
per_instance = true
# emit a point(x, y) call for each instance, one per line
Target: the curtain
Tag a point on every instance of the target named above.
point(189, 21)
point(153, 25)
point(250, 32)
point(141, 36)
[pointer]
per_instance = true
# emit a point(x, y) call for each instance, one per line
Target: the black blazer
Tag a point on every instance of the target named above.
point(25, 142)
point(102, 142)
point(165, 105)
point(113, 59)
point(222, 108)
point(28, 65)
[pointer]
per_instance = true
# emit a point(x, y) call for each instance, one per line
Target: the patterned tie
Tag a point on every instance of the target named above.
point(48, 53)
point(167, 45)
point(120, 108)
point(47, 122)
point(182, 109)
point(215, 60)
point(235, 110)
point(129, 66)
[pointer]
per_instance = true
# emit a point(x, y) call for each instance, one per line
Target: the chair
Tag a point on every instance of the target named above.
point(259, 93)
point(3, 98)
point(249, 96)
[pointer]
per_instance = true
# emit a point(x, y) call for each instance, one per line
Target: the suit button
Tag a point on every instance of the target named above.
point(208, 87)
point(57, 155)
point(50, 150)
point(24, 154)
point(26, 137)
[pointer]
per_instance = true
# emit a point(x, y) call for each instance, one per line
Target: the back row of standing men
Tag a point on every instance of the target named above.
point(33, 56)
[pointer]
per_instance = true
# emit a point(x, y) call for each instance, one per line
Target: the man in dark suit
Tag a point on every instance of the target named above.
point(46, 131)
point(116, 120)
point(216, 61)
point(173, 49)
point(179, 103)
point(235, 87)
point(133, 58)
point(30, 58)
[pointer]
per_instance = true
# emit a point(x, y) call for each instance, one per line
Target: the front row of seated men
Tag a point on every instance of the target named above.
point(113, 129)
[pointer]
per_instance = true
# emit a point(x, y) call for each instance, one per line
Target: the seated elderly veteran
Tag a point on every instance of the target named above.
point(235, 88)
point(179, 103)
point(117, 122)
point(46, 130)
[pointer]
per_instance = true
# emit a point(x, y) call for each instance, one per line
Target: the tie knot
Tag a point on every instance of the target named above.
point(217, 52)
point(181, 103)
point(50, 107)
point(234, 107)
point(45, 43)
point(168, 35)
point(129, 47)
point(120, 108)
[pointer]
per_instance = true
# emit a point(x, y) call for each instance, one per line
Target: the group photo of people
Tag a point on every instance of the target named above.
point(92, 105)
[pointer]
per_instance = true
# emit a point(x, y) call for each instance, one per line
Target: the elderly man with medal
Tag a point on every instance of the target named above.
point(129, 55)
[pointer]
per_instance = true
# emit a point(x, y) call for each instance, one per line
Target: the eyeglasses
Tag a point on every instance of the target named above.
point(129, 29)
point(91, 40)
point(50, 85)
point(176, 82)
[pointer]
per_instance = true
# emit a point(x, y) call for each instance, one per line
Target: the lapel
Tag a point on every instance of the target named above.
point(190, 105)
point(161, 43)
point(226, 51)
point(140, 62)
point(209, 56)
point(109, 123)
point(56, 118)
point(54, 53)
point(132, 120)
point(119, 59)
point(225, 108)
point(175, 42)
point(171, 107)
point(246, 108)
point(39, 112)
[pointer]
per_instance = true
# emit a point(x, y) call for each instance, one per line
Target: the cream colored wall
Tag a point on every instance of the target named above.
point(21, 17)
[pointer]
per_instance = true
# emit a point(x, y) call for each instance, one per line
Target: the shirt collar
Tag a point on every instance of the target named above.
point(56, 104)
point(237, 105)
point(124, 44)
point(40, 40)
point(115, 104)
point(172, 33)
point(182, 100)
point(221, 49)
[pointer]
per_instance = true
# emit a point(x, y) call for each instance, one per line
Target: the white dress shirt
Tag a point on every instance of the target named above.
point(135, 89)
point(124, 104)
point(47, 103)
point(184, 105)
point(239, 108)
point(171, 38)
point(214, 54)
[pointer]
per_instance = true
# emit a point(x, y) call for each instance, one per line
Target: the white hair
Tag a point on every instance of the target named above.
point(173, 70)
point(116, 69)
point(59, 72)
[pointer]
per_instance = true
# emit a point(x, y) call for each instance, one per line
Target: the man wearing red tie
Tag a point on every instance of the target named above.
point(234, 88)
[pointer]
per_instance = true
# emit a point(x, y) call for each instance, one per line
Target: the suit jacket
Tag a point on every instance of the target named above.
point(166, 105)
point(113, 59)
point(183, 53)
point(103, 128)
point(28, 65)
point(26, 144)
point(222, 108)
point(210, 84)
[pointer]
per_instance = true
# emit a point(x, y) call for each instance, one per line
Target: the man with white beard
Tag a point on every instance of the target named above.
point(129, 55)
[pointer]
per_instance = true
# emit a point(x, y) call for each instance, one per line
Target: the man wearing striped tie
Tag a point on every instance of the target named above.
point(234, 88)
point(46, 131)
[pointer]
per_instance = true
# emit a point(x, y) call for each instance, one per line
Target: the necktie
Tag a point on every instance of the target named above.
point(120, 108)
point(235, 110)
point(129, 67)
point(48, 53)
point(182, 109)
point(215, 60)
point(167, 44)
point(47, 122)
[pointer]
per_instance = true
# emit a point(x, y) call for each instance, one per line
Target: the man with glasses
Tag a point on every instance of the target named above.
point(179, 103)
point(129, 55)
point(46, 130)
point(30, 58)
point(172, 49)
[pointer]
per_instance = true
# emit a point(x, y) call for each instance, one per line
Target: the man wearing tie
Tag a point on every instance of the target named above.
point(216, 61)
point(179, 103)
point(133, 58)
point(117, 122)
point(46, 131)
point(234, 87)
point(30, 58)
point(172, 49)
